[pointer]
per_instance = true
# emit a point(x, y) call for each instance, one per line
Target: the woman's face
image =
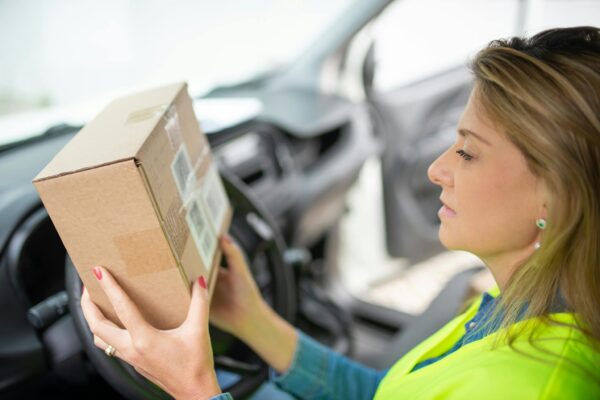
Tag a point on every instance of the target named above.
point(491, 198)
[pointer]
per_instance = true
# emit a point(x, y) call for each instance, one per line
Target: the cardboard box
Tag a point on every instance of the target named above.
point(137, 191)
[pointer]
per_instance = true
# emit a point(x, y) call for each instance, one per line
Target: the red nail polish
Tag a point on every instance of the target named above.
point(202, 282)
point(98, 273)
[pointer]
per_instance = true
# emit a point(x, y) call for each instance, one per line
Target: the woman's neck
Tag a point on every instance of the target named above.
point(503, 265)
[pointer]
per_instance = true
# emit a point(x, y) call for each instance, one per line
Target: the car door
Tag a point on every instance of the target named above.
point(421, 85)
point(417, 123)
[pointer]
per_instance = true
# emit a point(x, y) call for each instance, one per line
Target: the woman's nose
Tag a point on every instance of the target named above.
point(440, 171)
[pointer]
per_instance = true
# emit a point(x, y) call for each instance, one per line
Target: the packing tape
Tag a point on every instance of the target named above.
point(175, 226)
point(169, 115)
point(172, 127)
point(204, 214)
point(146, 113)
point(203, 235)
point(206, 204)
point(191, 182)
point(214, 197)
point(144, 251)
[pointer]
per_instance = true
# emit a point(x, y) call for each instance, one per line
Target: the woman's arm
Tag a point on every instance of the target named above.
point(271, 337)
point(303, 367)
point(237, 307)
point(317, 372)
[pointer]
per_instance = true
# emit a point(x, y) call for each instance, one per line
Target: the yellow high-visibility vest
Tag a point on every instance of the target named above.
point(479, 371)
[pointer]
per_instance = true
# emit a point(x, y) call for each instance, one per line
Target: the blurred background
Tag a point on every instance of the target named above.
point(63, 60)
point(77, 55)
point(329, 111)
point(81, 54)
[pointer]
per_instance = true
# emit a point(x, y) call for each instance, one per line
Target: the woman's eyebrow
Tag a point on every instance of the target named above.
point(466, 132)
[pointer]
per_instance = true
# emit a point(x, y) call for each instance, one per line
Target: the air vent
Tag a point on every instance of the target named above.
point(328, 140)
point(248, 156)
point(253, 177)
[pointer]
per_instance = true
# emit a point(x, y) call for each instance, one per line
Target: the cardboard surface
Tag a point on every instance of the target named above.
point(137, 191)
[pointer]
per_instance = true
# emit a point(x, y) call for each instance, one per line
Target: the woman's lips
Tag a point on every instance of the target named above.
point(446, 211)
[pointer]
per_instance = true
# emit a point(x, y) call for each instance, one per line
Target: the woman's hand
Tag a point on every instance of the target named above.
point(179, 360)
point(238, 308)
point(236, 303)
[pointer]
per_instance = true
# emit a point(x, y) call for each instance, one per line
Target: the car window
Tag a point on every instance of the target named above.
point(561, 13)
point(415, 39)
point(66, 53)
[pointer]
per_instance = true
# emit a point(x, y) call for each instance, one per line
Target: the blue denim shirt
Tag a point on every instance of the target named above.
point(318, 372)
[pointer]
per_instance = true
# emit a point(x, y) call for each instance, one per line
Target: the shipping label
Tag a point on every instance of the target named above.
point(173, 128)
point(215, 198)
point(202, 233)
point(182, 171)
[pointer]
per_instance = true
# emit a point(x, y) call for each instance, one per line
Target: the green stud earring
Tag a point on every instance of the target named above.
point(540, 223)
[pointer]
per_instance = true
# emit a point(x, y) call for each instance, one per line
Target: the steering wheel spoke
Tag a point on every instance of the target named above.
point(239, 367)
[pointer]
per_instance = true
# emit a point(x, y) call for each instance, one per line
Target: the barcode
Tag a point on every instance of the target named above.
point(208, 243)
point(181, 169)
point(197, 219)
point(212, 201)
point(214, 197)
point(203, 236)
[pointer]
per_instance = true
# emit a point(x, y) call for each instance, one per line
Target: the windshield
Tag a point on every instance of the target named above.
point(66, 59)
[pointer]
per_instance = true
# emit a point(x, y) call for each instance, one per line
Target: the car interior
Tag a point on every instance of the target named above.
point(294, 170)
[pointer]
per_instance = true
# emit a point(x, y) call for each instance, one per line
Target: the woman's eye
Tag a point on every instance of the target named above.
point(464, 155)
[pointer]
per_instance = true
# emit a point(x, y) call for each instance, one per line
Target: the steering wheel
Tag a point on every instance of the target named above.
point(240, 371)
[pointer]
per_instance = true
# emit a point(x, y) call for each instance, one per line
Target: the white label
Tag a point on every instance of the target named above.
point(182, 171)
point(215, 198)
point(203, 236)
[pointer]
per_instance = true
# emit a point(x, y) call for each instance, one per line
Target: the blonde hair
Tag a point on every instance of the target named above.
point(543, 93)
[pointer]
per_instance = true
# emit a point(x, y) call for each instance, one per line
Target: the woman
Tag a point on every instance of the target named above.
point(520, 189)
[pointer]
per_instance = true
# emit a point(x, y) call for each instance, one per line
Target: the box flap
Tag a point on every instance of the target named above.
point(127, 122)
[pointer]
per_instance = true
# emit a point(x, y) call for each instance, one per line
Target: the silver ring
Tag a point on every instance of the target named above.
point(110, 351)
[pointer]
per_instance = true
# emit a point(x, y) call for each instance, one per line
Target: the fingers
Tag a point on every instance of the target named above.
point(126, 310)
point(101, 327)
point(199, 306)
point(122, 351)
point(233, 254)
point(102, 345)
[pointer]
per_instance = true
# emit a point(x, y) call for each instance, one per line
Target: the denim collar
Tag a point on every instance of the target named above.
point(476, 328)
